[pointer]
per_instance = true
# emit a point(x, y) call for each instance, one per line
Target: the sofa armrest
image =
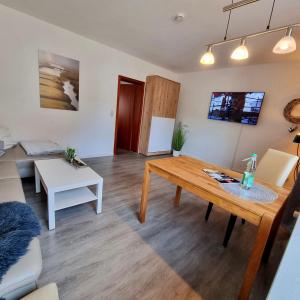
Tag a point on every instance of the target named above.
point(47, 292)
point(21, 278)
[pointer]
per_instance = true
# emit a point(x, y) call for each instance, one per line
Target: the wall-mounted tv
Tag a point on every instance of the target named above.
point(240, 107)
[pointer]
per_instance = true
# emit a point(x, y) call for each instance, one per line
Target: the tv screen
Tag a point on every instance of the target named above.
point(240, 107)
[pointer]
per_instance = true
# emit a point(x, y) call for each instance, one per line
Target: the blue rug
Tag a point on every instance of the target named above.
point(18, 226)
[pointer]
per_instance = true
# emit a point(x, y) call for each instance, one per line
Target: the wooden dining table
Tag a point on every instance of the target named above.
point(187, 173)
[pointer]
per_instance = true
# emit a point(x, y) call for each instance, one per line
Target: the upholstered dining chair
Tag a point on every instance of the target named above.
point(274, 168)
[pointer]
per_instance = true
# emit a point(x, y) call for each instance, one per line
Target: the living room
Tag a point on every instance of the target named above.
point(87, 192)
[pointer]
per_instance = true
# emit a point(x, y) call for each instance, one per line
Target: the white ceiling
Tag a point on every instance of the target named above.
point(144, 28)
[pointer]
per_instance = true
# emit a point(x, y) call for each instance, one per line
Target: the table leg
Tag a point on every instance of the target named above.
point(178, 195)
point(144, 198)
point(256, 256)
point(37, 180)
point(51, 210)
point(99, 189)
point(272, 236)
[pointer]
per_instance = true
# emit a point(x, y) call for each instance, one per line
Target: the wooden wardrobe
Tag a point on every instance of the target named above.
point(159, 114)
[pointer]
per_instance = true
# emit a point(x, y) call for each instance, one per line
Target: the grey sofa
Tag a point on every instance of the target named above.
point(22, 277)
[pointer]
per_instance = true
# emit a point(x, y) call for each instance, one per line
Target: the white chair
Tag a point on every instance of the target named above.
point(274, 168)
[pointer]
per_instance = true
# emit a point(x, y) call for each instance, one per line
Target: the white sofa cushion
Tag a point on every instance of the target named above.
point(11, 190)
point(41, 147)
point(8, 142)
point(23, 273)
point(6, 138)
point(48, 292)
point(8, 169)
point(4, 132)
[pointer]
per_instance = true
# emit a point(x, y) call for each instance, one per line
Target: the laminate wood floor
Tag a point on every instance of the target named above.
point(174, 255)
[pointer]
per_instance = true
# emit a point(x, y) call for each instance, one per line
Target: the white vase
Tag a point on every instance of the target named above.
point(176, 153)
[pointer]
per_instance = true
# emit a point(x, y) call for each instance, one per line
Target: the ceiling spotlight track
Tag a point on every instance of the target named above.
point(238, 4)
point(287, 44)
point(256, 34)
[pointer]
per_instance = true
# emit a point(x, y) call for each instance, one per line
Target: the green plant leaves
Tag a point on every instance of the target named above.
point(179, 138)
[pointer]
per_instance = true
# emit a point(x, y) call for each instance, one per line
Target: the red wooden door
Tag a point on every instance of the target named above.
point(136, 119)
point(125, 116)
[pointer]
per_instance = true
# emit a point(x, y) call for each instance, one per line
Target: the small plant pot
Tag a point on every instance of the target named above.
point(176, 153)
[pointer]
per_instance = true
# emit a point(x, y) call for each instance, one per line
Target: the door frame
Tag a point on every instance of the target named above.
point(134, 81)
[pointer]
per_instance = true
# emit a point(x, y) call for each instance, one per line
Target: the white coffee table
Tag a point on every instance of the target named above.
point(66, 185)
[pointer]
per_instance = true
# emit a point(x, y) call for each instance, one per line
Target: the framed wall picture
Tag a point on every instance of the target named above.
point(59, 81)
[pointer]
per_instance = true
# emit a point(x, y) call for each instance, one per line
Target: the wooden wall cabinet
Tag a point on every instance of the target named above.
point(159, 114)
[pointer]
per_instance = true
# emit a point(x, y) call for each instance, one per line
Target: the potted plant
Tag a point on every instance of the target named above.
point(179, 138)
point(70, 154)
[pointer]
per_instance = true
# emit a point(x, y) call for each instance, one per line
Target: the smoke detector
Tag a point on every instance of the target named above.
point(178, 18)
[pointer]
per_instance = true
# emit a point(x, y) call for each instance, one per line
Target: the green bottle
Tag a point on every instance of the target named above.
point(248, 177)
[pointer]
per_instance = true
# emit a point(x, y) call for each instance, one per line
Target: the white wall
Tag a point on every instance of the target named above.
point(91, 129)
point(227, 143)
